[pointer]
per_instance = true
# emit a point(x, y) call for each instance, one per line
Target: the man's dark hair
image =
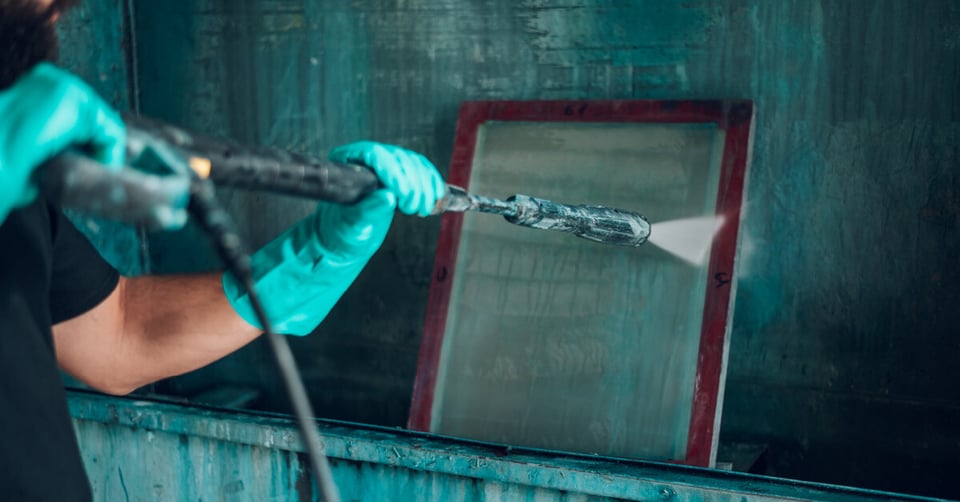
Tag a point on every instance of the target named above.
point(27, 36)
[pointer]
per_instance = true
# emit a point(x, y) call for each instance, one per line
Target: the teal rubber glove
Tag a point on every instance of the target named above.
point(302, 274)
point(43, 113)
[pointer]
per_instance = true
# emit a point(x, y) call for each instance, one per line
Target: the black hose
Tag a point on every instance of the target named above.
point(216, 222)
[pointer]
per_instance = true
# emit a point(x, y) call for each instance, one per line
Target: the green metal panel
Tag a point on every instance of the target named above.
point(140, 450)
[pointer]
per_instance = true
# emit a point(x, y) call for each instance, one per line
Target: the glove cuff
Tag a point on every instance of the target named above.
point(297, 279)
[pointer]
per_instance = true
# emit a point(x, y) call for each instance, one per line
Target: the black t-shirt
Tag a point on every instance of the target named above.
point(49, 273)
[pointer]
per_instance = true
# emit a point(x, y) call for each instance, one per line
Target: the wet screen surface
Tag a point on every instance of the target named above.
point(560, 343)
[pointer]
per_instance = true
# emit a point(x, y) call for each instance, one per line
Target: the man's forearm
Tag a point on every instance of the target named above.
point(155, 327)
point(151, 328)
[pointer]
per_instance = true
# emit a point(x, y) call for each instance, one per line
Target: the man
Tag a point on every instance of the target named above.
point(62, 305)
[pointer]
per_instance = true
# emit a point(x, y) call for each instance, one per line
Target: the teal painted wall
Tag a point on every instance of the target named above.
point(844, 343)
point(94, 45)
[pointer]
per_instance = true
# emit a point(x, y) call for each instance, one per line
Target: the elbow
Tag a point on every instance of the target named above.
point(116, 390)
point(111, 386)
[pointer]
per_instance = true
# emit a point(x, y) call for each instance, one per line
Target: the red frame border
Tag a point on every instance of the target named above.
point(734, 116)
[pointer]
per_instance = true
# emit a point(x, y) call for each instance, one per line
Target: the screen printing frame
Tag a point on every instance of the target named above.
point(734, 117)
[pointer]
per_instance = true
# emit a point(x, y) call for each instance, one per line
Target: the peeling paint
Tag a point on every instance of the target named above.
point(205, 454)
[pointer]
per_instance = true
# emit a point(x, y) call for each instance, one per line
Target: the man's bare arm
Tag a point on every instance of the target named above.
point(151, 328)
point(155, 327)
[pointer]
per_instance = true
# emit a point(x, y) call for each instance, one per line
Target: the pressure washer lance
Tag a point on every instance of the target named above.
point(74, 181)
point(230, 164)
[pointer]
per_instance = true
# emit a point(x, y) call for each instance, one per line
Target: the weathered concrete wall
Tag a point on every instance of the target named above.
point(845, 340)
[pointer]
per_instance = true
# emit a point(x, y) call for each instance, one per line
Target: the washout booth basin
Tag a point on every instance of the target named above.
point(138, 449)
